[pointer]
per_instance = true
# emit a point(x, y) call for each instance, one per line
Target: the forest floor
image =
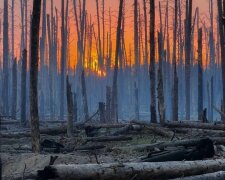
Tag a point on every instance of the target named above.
point(18, 160)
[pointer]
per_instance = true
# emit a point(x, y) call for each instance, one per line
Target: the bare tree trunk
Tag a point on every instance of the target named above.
point(50, 47)
point(152, 62)
point(84, 96)
point(222, 44)
point(62, 85)
point(42, 58)
point(136, 42)
point(75, 107)
point(108, 103)
point(14, 71)
point(114, 111)
point(136, 101)
point(14, 90)
point(70, 108)
point(5, 60)
point(200, 76)
point(35, 132)
point(23, 88)
point(161, 106)
point(188, 54)
point(146, 33)
point(175, 77)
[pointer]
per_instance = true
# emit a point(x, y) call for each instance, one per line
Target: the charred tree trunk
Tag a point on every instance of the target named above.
point(42, 58)
point(75, 107)
point(146, 34)
point(70, 108)
point(114, 112)
point(35, 132)
point(161, 106)
point(188, 55)
point(152, 62)
point(23, 88)
point(62, 83)
point(200, 76)
point(221, 15)
point(108, 104)
point(84, 96)
point(5, 60)
point(14, 89)
point(175, 77)
point(136, 101)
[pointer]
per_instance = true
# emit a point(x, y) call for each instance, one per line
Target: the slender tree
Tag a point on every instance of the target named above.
point(152, 62)
point(70, 108)
point(14, 89)
point(62, 83)
point(35, 132)
point(5, 60)
point(200, 76)
point(188, 55)
point(23, 88)
point(114, 106)
point(84, 96)
point(221, 15)
point(175, 77)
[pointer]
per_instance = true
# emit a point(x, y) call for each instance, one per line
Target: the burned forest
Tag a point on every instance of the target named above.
point(112, 89)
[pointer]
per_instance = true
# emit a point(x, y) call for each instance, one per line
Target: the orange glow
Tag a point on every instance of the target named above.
point(91, 10)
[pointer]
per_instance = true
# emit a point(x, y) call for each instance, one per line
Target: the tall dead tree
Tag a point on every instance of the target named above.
point(136, 101)
point(23, 88)
point(35, 132)
point(62, 62)
point(42, 58)
point(70, 108)
point(114, 112)
point(200, 76)
point(14, 89)
point(14, 71)
point(221, 14)
point(188, 24)
point(84, 95)
point(152, 62)
point(161, 106)
point(100, 60)
point(5, 91)
point(175, 77)
point(136, 42)
point(146, 33)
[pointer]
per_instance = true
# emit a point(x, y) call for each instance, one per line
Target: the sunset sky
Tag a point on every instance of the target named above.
point(91, 9)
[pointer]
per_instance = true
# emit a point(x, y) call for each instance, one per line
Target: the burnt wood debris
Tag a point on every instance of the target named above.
point(112, 89)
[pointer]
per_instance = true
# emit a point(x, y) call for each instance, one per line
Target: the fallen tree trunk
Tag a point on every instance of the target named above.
point(145, 170)
point(48, 131)
point(154, 128)
point(185, 143)
point(207, 132)
point(220, 175)
point(195, 125)
point(108, 138)
point(107, 126)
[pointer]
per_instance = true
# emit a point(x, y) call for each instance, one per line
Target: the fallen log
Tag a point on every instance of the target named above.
point(207, 132)
point(220, 175)
point(154, 128)
point(204, 149)
point(107, 126)
point(48, 131)
point(108, 138)
point(185, 143)
point(89, 147)
point(144, 170)
point(195, 125)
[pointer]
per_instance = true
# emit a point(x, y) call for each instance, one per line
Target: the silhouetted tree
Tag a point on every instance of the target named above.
point(35, 132)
